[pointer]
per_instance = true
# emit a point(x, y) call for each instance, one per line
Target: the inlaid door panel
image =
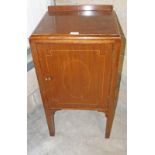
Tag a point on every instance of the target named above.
point(75, 74)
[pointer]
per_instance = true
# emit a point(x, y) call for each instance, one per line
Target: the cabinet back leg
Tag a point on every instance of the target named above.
point(50, 122)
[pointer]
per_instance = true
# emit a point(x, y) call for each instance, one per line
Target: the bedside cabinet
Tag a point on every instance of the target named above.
point(78, 55)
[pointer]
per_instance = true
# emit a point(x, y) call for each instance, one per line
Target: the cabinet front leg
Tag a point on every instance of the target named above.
point(50, 122)
point(109, 125)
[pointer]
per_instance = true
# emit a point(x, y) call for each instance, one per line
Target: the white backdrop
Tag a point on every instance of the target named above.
point(35, 11)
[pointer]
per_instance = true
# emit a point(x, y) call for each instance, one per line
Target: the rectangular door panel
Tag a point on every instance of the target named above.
point(75, 74)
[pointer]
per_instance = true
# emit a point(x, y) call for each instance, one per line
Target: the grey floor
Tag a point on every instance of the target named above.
point(78, 132)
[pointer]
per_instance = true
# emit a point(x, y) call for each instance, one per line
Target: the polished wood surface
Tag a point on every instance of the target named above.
point(77, 8)
point(85, 22)
point(78, 71)
point(82, 71)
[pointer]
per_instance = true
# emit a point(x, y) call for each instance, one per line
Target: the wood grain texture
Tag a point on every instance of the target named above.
point(80, 8)
point(85, 22)
point(82, 71)
point(78, 71)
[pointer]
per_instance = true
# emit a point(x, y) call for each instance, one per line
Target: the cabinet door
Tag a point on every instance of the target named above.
point(75, 75)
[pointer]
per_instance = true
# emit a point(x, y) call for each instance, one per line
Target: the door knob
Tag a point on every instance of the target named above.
point(48, 78)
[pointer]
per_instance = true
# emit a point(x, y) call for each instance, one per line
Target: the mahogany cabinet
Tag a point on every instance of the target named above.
point(78, 55)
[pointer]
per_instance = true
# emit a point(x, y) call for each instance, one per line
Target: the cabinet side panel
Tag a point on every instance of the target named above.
point(38, 72)
point(115, 77)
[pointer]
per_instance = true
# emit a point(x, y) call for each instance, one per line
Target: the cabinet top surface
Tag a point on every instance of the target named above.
point(81, 20)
